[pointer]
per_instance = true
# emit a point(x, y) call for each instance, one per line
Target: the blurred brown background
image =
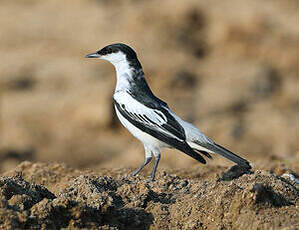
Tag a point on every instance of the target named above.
point(230, 67)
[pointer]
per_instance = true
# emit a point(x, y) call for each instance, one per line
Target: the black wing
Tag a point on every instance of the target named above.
point(158, 123)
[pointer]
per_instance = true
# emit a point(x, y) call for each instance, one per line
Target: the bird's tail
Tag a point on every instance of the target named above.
point(215, 148)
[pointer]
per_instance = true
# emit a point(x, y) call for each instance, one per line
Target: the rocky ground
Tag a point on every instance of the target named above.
point(229, 67)
point(54, 196)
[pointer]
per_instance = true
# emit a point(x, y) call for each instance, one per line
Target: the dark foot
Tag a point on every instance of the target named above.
point(134, 174)
point(146, 161)
point(150, 180)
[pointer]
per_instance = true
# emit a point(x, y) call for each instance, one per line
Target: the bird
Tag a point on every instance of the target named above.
point(150, 119)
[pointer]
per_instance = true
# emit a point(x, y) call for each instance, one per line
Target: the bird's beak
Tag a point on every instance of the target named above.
point(93, 55)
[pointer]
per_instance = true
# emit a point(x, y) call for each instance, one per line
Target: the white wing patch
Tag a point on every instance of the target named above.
point(147, 116)
point(161, 116)
point(138, 110)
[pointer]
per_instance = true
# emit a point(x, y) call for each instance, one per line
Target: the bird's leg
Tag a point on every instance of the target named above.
point(157, 155)
point(148, 158)
point(146, 161)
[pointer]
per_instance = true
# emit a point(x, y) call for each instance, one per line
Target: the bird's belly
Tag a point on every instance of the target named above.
point(140, 135)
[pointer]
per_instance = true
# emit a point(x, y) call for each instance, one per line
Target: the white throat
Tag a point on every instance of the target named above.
point(123, 75)
point(124, 72)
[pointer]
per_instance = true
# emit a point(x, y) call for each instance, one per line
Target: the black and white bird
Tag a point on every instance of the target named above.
point(150, 119)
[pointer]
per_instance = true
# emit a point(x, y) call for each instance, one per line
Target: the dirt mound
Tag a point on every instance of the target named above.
point(53, 196)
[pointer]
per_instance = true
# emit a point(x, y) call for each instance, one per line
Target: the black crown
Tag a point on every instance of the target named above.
point(119, 47)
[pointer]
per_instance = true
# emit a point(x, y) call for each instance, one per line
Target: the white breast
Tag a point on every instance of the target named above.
point(140, 135)
point(126, 99)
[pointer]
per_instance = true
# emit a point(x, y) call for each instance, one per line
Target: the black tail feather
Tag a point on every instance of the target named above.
point(204, 153)
point(190, 152)
point(227, 154)
point(231, 156)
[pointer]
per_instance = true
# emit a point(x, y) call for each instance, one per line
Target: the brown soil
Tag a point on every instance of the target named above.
point(54, 196)
point(230, 67)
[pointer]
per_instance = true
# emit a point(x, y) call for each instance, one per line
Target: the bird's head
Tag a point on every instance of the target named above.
point(116, 54)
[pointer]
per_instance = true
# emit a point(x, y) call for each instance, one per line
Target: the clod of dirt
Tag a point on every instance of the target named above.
point(16, 189)
point(117, 201)
point(234, 172)
point(265, 194)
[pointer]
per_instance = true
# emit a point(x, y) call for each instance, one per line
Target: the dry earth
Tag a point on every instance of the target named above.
point(230, 67)
point(54, 196)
